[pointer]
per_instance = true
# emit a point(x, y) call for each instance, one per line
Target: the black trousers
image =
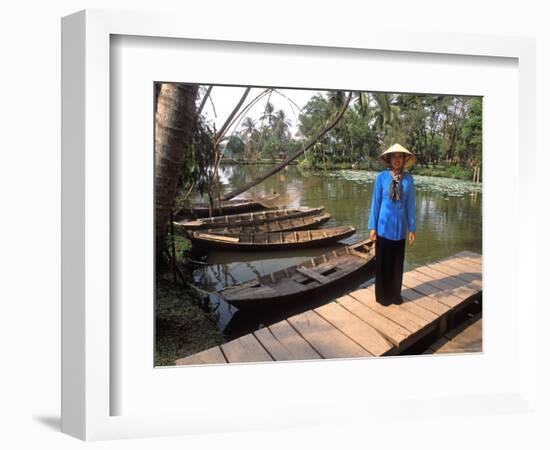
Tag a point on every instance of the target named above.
point(390, 256)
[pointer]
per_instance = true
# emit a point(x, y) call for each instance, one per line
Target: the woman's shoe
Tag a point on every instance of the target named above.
point(383, 302)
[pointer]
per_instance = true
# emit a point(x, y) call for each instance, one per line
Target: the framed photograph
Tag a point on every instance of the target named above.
point(151, 349)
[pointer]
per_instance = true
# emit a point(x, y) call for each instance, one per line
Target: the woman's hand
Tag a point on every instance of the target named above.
point(372, 235)
point(412, 236)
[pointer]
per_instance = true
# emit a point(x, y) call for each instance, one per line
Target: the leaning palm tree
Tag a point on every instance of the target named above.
point(268, 114)
point(175, 118)
point(281, 125)
point(248, 131)
point(248, 127)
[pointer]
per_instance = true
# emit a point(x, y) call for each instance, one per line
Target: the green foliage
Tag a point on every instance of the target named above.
point(198, 159)
point(182, 327)
point(457, 172)
point(351, 141)
point(234, 147)
point(183, 323)
point(469, 147)
point(434, 127)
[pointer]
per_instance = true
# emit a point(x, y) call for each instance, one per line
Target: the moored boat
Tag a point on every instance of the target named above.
point(296, 223)
point(281, 240)
point(235, 206)
point(302, 279)
point(252, 218)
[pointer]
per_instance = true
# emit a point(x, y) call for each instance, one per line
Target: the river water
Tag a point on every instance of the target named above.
point(448, 217)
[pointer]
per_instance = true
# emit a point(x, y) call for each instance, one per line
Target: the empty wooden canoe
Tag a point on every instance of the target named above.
point(302, 279)
point(296, 223)
point(236, 206)
point(281, 240)
point(248, 218)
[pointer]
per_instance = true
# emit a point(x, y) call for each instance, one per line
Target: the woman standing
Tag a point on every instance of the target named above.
point(392, 215)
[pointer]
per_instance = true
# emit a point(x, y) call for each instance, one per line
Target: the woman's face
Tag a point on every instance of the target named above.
point(397, 160)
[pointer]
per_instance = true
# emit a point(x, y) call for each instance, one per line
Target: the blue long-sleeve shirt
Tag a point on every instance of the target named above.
point(391, 219)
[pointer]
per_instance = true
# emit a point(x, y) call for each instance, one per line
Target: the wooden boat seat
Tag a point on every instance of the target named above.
point(217, 237)
point(312, 274)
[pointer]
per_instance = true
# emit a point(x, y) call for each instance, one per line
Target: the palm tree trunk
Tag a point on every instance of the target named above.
point(174, 122)
point(292, 157)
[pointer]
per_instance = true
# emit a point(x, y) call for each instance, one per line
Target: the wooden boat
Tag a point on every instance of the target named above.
point(302, 279)
point(252, 218)
point(281, 240)
point(296, 223)
point(236, 206)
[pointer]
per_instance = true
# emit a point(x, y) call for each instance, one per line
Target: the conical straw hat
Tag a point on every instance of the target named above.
point(410, 159)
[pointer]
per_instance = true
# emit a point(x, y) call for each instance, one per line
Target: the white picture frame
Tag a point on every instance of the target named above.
point(88, 386)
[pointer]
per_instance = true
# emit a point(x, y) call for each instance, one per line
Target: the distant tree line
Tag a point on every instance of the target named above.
point(437, 128)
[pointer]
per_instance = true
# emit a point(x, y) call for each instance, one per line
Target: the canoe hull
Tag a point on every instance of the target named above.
point(296, 224)
point(225, 242)
point(303, 280)
point(232, 207)
point(248, 219)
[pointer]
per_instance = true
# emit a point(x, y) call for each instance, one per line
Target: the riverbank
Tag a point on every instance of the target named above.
point(440, 171)
point(184, 324)
point(456, 172)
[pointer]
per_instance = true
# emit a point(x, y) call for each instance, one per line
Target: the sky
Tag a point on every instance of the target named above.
point(225, 98)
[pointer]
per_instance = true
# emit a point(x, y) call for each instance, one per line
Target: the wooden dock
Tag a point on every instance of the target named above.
point(355, 325)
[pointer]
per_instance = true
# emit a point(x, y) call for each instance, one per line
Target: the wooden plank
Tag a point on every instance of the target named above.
point(245, 349)
point(327, 340)
point(217, 237)
point(463, 263)
point(419, 311)
point(471, 257)
point(292, 341)
point(361, 332)
point(431, 291)
point(418, 307)
point(393, 332)
point(475, 265)
point(463, 291)
point(312, 274)
point(392, 312)
point(412, 297)
point(210, 356)
point(469, 276)
point(459, 267)
point(474, 258)
point(449, 279)
point(277, 350)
